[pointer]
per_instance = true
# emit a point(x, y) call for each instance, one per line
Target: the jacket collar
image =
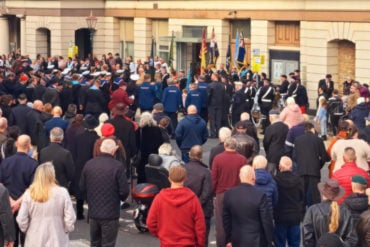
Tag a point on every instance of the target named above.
point(198, 162)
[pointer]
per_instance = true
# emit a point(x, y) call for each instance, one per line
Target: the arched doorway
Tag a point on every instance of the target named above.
point(43, 42)
point(341, 61)
point(83, 42)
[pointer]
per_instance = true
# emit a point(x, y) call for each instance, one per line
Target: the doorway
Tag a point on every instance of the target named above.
point(83, 42)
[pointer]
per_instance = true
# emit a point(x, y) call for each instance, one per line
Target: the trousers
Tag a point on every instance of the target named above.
point(103, 233)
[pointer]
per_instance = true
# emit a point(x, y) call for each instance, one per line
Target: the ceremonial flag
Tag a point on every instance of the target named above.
point(203, 51)
point(236, 47)
point(228, 56)
point(241, 52)
point(170, 59)
point(152, 51)
point(213, 49)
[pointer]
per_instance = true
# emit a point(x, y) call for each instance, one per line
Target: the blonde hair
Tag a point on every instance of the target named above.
point(43, 181)
point(334, 217)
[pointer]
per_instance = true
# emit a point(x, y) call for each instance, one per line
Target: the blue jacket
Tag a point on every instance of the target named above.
point(16, 173)
point(194, 97)
point(191, 130)
point(171, 99)
point(358, 115)
point(203, 86)
point(147, 96)
point(266, 184)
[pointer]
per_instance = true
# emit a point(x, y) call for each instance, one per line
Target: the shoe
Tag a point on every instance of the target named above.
point(80, 217)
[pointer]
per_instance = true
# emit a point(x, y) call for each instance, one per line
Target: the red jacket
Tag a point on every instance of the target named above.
point(176, 218)
point(119, 96)
point(344, 177)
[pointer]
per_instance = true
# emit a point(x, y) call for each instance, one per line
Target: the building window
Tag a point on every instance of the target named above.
point(287, 33)
point(192, 31)
point(127, 48)
point(243, 26)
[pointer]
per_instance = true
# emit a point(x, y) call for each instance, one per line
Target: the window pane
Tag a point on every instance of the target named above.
point(243, 26)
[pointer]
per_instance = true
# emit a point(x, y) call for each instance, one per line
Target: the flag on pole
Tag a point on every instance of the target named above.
point(170, 59)
point(241, 52)
point(213, 49)
point(236, 47)
point(228, 56)
point(203, 51)
point(152, 52)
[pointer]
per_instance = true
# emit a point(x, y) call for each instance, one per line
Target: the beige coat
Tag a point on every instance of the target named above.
point(362, 153)
point(48, 223)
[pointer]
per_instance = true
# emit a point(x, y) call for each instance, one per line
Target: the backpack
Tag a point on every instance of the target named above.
point(335, 106)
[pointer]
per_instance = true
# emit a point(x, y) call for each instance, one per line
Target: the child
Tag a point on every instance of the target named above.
point(321, 117)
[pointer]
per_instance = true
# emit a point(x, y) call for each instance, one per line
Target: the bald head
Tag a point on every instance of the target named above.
point(3, 124)
point(247, 175)
point(196, 152)
point(23, 143)
point(285, 164)
point(259, 162)
point(192, 110)
point(38, 105)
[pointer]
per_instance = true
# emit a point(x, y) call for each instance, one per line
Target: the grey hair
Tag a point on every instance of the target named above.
point(108, 146)
point(223, 133)
point(244, 116)
point(166, 149)
point(231, 143)
point(259, 162)
point(56, 135)
point(146, 119)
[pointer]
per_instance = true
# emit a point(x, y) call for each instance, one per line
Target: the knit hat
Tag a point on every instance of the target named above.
point(23, 78)
point(107, 130)
point(358, 179)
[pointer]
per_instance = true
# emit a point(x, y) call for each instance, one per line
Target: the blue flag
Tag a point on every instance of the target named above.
point(236, 47)
point(241, 52)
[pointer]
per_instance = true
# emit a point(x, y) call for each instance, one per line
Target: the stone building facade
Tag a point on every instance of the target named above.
point(315, 36)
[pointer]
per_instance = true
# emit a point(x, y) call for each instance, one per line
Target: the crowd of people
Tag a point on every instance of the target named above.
point(69, 128)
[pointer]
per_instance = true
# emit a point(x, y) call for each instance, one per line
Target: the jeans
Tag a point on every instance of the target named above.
point(185, 155)
point(103, 233)
point(323, 124)
point(286, 233)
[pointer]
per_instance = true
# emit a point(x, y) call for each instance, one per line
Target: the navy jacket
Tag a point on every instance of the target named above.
point(171, 99)
point(146, 96)
point(191, 130)
point(16, 173)
point(195, 97)
point(266, 184)
point(203, 87)
point(358, 114)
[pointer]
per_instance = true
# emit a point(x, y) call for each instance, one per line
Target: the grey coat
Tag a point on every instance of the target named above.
point(48, 223)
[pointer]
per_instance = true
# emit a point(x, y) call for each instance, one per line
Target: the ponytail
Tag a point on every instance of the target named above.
point(334, 217)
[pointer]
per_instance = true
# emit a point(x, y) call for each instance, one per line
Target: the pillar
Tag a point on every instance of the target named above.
point(23, 34)
point(4, 41)
point(143, 37)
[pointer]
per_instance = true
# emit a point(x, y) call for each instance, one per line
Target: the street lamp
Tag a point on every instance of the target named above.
point(91, 24)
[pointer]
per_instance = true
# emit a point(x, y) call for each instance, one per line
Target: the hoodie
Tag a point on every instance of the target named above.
point(357, 204)
point(290, 207)
point(176, 218)
point(291, 115)
point(191, 130)
point(267, 185)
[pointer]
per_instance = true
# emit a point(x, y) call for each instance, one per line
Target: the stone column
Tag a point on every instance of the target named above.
point(4, 41)
point(23, 33)
point(143, 37)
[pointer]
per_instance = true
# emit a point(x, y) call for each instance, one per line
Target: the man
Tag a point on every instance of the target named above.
point(198, 179)
point(203, 88)
point(191, 130)
point(7, 230)
point(347, 171)
point(3, 130)
point(327, 85)
point(310, 155)
point(246, 218)
point(147, 95)
point(289, 211)
point(357, 202)
point(238, 102)
point(347, 85)
point(120, 96)
point(223, 133)
point(36, 129)
point(105, 183)
point(18, 113)
point(265, 100)
point(284, 84)
point(264, 181)
point(61, 158)
point(56, 121)
point(195, 97)
point(247, 146)
point(274, 139)
point(183, 81)
point(216, 100)
point(225, 170)
point(176, 216)
point(172, 101)
point(335, 110)
point(16, 173)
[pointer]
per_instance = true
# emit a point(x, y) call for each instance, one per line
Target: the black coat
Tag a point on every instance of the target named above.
point(7, 229)
point(95, 102)
point(274, 140)
point(357, 204)
point(310, 154)
point(246, 218)
point(17, 117)
point(214, 151)
point(36, 129)
point(51, 95)
point(62, 161)
point(216, 94)
point(198, 179)
point(126, 133)
point(82, 151)
point(290, 207)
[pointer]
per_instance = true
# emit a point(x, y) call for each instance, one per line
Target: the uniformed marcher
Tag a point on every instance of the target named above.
point(265, 100)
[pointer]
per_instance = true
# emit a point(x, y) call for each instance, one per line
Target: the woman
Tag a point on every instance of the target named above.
point(328, 217)
point(46, 214)
point(291, 115)
point(149, 139)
